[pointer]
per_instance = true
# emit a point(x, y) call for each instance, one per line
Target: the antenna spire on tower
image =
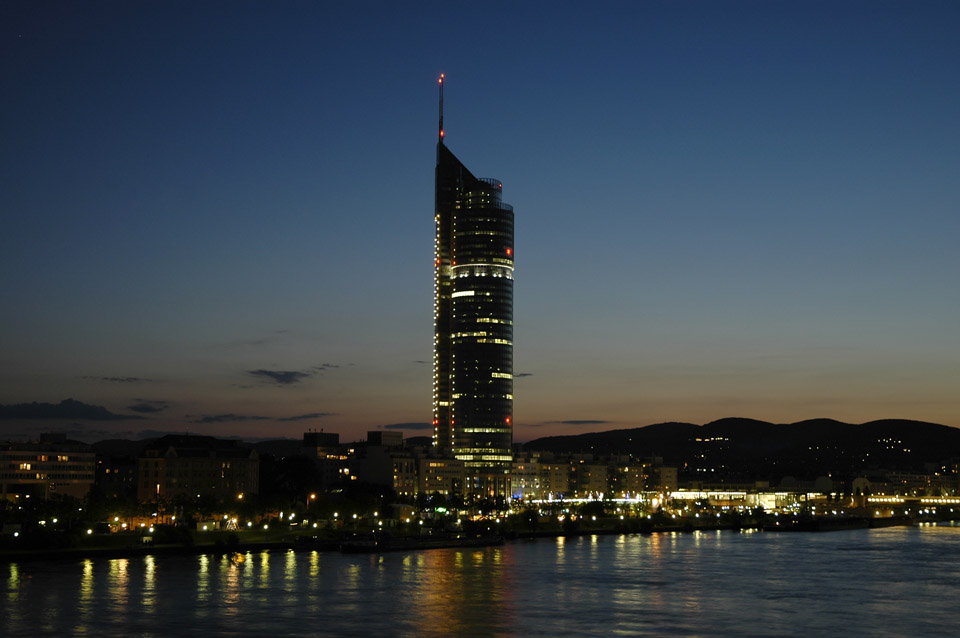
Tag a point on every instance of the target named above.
point(441, 108)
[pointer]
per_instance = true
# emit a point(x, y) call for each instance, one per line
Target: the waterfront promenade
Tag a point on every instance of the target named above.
point(134, 544)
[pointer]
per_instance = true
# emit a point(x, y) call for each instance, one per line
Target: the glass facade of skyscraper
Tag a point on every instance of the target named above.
point(473, 319)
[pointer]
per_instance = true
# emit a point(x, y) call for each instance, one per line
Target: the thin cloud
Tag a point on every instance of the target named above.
point(419, 425)
point(253, 342)
point(304, 417)
point(81, 431)
point(522, 374)
point(291, 377)
point(147, 406)
point(119, 379)
point(66, 409)
point(227, 418)
point(421, 361)
point(280, 377)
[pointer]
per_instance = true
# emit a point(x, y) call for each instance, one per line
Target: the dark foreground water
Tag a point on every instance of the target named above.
point(888, 582)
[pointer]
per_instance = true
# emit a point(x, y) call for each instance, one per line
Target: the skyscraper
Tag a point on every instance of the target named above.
point(473, 323)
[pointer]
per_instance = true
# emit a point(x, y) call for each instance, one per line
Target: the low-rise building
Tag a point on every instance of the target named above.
point(386, 464)
point(49, 467)
point(331, 458)
point(197, 465)
point(438, 475)
point(116, 476)
point(589, 479)
point(554, 480)
point(525, 477)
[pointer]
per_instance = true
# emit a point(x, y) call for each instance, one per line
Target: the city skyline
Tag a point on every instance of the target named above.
point(215, 217)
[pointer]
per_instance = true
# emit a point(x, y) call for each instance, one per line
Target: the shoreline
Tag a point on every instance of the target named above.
point(79, 553)
point(286, 544)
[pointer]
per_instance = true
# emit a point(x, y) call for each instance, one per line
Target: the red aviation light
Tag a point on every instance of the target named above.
point(436, 264)
point(441, 78)
point(508, 420)
point(441, 132)
point(436, 421)
point(509, 252)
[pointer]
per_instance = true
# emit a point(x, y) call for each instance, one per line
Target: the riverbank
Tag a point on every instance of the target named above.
point(115, 546)
point(133, 551)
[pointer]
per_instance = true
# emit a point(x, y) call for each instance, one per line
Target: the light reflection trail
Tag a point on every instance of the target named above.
point(13, 595)
point(118, 584)
point(85, 600)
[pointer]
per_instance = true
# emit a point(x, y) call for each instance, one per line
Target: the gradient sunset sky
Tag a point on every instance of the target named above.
point(217, 217)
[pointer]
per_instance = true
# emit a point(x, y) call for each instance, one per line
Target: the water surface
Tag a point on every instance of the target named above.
point(885, 582)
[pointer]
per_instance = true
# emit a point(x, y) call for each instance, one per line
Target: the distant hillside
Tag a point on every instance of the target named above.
point(747, 449)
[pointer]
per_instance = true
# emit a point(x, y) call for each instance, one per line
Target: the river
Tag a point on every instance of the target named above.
point(883, 582)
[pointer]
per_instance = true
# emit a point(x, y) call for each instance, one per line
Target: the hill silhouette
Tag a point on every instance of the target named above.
point(740, 449)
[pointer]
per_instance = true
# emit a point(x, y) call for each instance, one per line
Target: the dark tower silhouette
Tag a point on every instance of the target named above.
point(473, 323)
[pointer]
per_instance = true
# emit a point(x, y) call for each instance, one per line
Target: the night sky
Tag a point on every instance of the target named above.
point(217, 217)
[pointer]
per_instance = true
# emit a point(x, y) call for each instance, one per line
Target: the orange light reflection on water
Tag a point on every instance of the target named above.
point(463, 591)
